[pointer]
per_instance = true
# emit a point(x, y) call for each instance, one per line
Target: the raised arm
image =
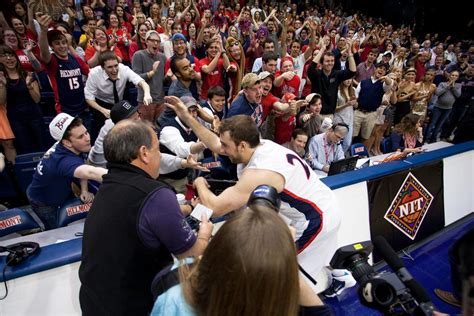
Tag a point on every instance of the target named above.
point(210, 139)
point(44, 21)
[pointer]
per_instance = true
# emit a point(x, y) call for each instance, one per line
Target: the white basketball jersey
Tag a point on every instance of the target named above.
point(307, 203)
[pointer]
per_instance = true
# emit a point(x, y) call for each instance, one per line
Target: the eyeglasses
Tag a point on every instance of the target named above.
point(7, 55)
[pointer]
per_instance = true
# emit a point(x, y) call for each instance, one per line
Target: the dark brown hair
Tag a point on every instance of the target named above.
point(241, 128)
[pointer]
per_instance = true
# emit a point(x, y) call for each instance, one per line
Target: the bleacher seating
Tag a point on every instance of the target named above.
point(16, 220)
point(25, 166)
point(359, 149)
point(72, 211)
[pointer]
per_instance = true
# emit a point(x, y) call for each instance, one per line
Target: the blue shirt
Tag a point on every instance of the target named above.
point(242, 106)
point(51, 184)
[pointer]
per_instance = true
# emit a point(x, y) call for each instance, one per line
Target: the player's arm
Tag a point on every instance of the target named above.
point(210, 139)
point(237, 196)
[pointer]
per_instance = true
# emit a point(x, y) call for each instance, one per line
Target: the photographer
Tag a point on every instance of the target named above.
point(213, 285)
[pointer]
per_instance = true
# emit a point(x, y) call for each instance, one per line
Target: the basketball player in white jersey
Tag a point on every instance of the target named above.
point(307, 204)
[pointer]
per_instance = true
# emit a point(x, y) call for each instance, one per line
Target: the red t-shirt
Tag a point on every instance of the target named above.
point(120, 41)
point(212, 79)
point(290, 86)
point(284, 129)
point(90, 51)
point(420, 70)
point(267, 104)
point(24, 60)
point(30, 36)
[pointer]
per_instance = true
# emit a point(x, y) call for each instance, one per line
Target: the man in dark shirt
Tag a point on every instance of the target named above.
point(326, 80)
point(61, 165)
point(144, 226)
point(248, 102)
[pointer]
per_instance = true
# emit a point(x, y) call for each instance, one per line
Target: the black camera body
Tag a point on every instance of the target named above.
point(388, 292)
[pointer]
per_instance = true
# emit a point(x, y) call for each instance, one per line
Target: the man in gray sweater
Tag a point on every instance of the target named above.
point(447, 93)
point(150, 65)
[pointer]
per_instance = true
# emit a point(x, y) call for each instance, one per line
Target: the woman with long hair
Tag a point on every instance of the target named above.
point(123, 19)
point(100, 43)
point(235, 71)
point(26, 34)
point(138, 41)
point(249, 268)
point(21, 94)
point(407, 136)
point(119, 36)
point(191, 31)
point(425, 90)
point(28, 60)
point(346, 103)
point(405, 93)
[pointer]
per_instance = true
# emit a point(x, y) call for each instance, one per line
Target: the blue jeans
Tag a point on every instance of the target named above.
point(439, 116)
point(47, 214)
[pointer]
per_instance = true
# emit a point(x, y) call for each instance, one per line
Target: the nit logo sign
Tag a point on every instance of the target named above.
point(409, 207)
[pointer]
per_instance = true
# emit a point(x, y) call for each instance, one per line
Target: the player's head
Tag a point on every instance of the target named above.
point(239, 137)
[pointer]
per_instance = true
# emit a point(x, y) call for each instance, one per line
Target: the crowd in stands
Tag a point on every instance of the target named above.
point(313, 62)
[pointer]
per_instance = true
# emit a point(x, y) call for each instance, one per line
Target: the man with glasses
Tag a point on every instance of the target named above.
point(149, 64)
point(326, 147)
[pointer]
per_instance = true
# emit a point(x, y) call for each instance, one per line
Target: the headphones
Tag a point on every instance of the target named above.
point(19, 252)
point(265, 195)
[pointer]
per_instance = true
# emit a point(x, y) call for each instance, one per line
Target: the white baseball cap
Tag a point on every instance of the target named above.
point(59, 124)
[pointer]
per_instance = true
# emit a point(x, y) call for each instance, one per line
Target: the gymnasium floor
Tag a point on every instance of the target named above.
point(430, 267)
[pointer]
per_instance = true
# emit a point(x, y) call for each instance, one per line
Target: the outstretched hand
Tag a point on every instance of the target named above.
point(178, 106)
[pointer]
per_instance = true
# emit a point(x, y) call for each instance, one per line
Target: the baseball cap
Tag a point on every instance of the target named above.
point(189, 101)
point(384, 65)
point(53, 35)
point(178, 36)
point(150, 33)
point(264, 75)
point(387, 54)
point(310, 97)
point(59, 125)
point(250, 80)
point(121, 111)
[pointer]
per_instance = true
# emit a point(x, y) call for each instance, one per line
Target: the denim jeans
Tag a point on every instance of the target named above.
point(439, 116)
point(47, 214)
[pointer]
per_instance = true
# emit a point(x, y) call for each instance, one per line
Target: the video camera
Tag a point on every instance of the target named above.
point(390, 293)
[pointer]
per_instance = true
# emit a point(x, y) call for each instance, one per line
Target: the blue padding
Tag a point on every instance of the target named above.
point(71, 211)
point(16, 220)
point(365, 174)
point(49, 257)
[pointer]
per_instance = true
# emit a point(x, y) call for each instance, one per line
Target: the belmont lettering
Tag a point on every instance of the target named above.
point(73, 210)
point(9, 222)
point(410, 207)
point(70, 73)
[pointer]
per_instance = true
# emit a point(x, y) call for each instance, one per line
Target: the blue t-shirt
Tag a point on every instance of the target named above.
point(51, 185)
point(242, 106)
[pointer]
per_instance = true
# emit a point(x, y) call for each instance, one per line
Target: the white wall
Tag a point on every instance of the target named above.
point(458, 186)
point(52, 292)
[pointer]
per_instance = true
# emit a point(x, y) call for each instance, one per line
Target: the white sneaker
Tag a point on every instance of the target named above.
point(339, 284)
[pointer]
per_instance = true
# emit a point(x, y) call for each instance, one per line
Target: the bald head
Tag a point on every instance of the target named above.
point(123, 142)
